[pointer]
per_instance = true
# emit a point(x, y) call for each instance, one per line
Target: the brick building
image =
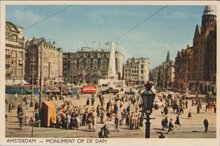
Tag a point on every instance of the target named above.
point(37, 50)
point(203, 75)
point(183, 68)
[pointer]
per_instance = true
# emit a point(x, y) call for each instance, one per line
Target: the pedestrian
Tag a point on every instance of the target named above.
point(90, 121)
point(84, 118)
point(88, 101)
point(116, 123)
point(98, 110)
point(206, 125)
point(161, 135)
point(78, 122)
point(177, 122)
point(189, 114)
point(103, 116)
point(106, 131)
point(171, 127)
point(206, 107)
point(37, 119)
point(186, 104)
point(19, 110)
point(101, 133)
point(68, 121)
point(78, 97)
point(214, 108)
point(93, 100)
point(36, 105)
point(198, 109)
point(21, 121)
point(164, 123)
point(165, 110)
point(9, 106)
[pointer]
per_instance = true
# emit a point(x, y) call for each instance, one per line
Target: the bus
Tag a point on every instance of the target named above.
point(87, 89)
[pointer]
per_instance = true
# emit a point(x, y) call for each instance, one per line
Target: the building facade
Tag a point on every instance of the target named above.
point(88, 65)
point(43, 57)
point(183, 68)
point(136, 71)
point(203, 75)
point(164, 75)
point(14, 54)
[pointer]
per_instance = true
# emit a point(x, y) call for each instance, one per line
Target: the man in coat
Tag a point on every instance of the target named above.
point(206, 125)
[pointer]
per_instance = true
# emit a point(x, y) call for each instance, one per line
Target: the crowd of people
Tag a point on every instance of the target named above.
point(178, 104)
point(119, 110)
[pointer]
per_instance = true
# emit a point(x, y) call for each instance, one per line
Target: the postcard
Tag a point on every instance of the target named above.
point(109, 73)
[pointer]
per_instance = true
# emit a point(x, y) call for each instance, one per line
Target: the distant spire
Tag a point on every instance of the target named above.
point(168, 56)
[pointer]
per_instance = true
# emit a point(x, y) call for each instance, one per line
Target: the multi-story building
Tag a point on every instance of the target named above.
point(88, 66)
point(153, 74)
point(164, 74)
point(170, 74)
point(136, 71)
point(203, 75)
point(196, 66)
point(43, 57)
point(14, 54)
point(183, 68)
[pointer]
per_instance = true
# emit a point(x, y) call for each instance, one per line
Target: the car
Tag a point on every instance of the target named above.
point(189, 96)
point(110, 90)
point(130, 92)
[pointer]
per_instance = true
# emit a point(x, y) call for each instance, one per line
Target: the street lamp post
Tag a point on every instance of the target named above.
point(148, 99)
point(32, 89)
point(32, 128)
point(41, 73)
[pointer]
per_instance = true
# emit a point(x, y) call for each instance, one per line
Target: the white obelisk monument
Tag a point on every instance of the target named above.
point(112, 67)
point(112, 78)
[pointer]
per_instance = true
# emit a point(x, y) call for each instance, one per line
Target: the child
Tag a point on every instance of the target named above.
point(190, 114)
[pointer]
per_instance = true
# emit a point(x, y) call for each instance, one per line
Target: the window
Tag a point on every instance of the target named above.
point(88, 61)
point(7, 36)
point(14, 38)
point(94, 61)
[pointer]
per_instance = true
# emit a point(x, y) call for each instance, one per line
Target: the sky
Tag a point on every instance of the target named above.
point(159, 29)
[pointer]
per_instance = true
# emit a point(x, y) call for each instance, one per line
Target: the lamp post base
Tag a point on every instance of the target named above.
point(31, 104)
point(147, 124)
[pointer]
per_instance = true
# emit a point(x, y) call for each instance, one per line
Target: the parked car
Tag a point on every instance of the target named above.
point(130, 92)
point(110, 90)
point(189, 96)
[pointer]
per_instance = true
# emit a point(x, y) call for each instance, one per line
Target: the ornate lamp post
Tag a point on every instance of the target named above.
point(148, 99)
point(32, 79)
